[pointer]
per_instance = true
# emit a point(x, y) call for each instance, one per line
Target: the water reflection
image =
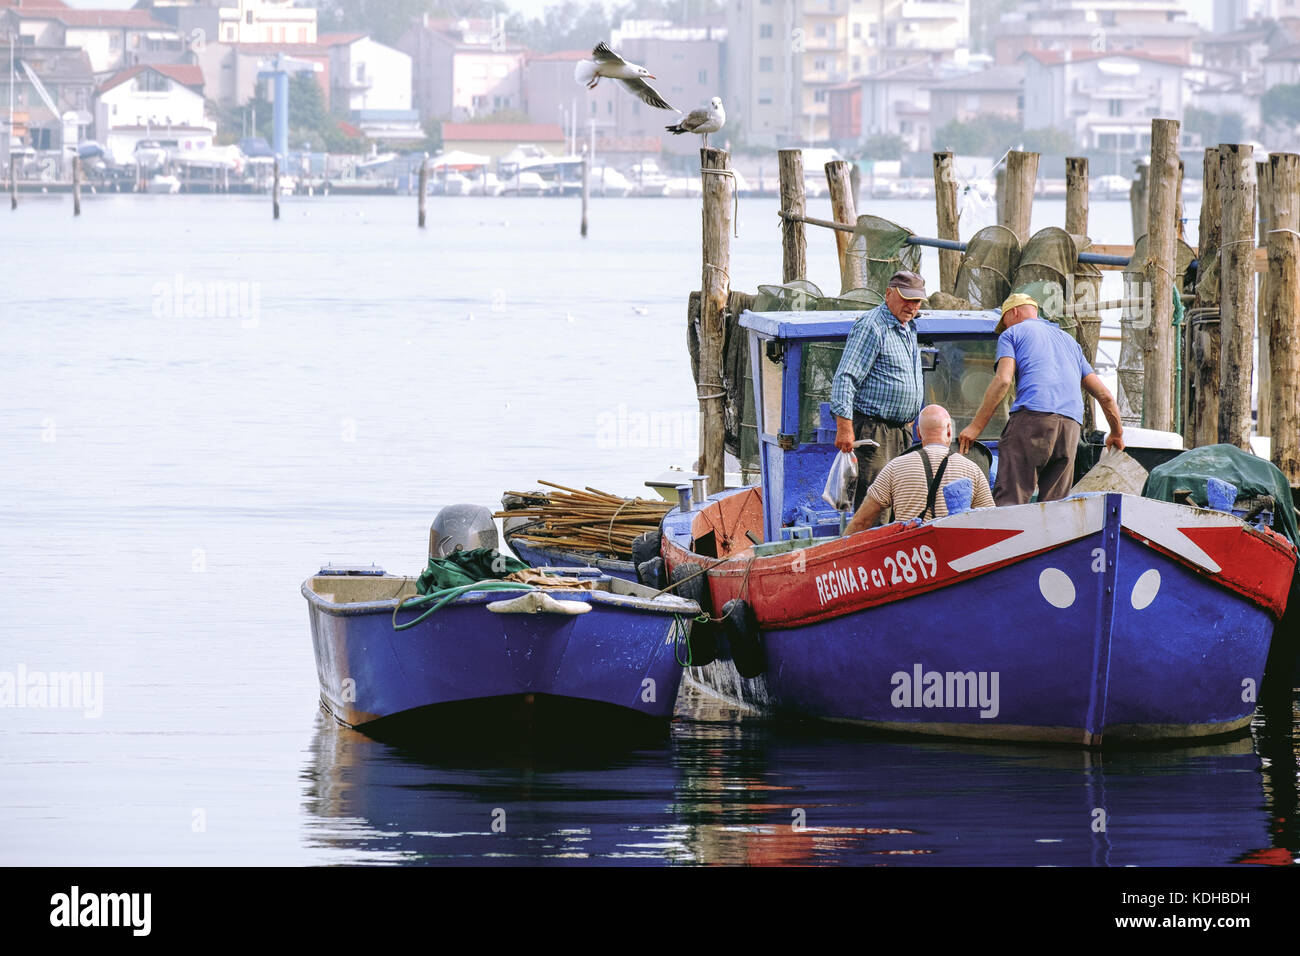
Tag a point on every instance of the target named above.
point(726, 789)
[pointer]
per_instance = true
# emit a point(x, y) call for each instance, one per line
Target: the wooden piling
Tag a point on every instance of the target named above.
point(1000, 194)
point(1264, 198)
point(1282, 314)
point(275, 191)
point(1158, 277)
point(853, 272)
point(855, 180)
point(1076, 195)
point(1201, 424)
point(13, 184)
point(423, 190)
point(945, 206)
point(76, 186)
point(1237, 275)
point(1138, 202)
point(715, 285)
point(1022, 171)
point(586, 192)
point(794, 242)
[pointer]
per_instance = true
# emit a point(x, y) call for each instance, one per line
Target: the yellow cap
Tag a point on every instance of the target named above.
point(1017, 299)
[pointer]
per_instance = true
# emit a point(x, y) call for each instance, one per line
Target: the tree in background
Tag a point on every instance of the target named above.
point(1213, 127)
point(991, 134)
point(883, 146)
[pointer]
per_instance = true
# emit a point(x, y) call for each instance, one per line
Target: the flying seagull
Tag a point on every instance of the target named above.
point(702, 122)
point(605, 62)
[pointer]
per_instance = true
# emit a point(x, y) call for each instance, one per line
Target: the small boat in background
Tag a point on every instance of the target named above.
point(164, 185)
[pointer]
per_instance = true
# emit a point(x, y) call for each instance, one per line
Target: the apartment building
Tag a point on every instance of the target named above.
point(1159, 28)
point(786, 58)
point(464, 68)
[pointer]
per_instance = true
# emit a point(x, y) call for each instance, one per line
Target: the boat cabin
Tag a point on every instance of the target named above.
point(793, 357)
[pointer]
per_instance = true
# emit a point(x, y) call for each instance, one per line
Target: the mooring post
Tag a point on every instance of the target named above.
point(715, 287)
point(794, 242)
point(1022, 172)
point(853, 273)
point(1201, 424)
point(1138, 203)
point(13, 184)
point(1237, 184)
point(1264, 197)
point(855, 180)
point(275, 191)
point(1000, 194)
point(1158, 277)
point(945, 207)
point(586, 191)
point(1282, 313)
point(423, 190)
point(1076, 195)
point(76, 185)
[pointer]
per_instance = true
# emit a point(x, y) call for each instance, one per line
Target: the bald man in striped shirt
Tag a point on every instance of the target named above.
point(903, 484)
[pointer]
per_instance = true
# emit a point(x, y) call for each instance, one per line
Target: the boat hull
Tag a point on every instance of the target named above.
point(1075, 622)
point(622, 654)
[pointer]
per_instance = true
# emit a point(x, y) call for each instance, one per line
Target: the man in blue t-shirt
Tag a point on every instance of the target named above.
point(1041, 436)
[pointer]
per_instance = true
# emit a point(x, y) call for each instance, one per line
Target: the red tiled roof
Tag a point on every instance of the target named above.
point(186, 74)
point(132, 19)
point(1055, 57)
point(504, 132)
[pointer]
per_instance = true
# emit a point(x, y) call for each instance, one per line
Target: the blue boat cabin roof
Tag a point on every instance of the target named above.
point(836, 325)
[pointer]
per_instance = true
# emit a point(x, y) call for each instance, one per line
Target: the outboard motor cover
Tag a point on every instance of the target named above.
point(461, 528)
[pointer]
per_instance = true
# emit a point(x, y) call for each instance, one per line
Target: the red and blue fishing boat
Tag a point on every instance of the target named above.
point(1098, 618)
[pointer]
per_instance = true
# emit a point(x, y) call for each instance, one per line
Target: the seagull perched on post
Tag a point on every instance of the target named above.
point(605, 62)
point(702, 122)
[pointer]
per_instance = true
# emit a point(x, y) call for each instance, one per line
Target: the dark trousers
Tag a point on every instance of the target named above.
point(1036, 450)
point(893, 441)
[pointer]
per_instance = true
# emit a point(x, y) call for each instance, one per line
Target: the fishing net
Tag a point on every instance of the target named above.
point(1045, 272)
point(984, 276)
point(880, 249)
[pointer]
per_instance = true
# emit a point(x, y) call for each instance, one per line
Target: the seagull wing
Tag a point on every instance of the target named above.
point(695, 118)
point(647, 93)
point(603, 54)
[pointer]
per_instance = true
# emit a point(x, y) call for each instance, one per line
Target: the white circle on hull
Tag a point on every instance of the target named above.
point(1145, 589)
point(1057, 587)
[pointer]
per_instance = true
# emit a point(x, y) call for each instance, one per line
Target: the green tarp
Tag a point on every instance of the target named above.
point(1252, 476)
point(466, 567)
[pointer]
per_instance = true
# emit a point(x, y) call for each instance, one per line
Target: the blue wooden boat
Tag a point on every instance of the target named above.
point(620, 657)
point(539, 556)
point(1099, 618)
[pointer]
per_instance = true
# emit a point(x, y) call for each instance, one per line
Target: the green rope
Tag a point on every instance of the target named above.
point(441, 599)
point(681, 637)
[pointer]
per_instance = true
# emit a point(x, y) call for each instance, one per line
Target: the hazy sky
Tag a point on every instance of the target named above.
point(1200, 10)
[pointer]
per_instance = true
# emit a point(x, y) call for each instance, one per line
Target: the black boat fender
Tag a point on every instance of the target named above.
point(651, 573)
point(694, 586)
point(740, 625)
point(646, 546)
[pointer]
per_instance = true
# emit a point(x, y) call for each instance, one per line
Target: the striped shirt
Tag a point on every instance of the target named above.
point(880, 371)
point(902, 484)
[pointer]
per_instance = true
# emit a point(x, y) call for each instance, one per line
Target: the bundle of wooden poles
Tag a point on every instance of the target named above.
point(585, 520)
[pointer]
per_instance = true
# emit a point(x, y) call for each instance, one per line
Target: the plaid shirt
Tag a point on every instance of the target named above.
point(880, 372)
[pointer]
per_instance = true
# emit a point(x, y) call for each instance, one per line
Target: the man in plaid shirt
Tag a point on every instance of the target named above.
point(878, 387)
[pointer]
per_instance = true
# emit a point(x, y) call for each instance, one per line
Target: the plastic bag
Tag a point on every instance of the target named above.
point(842, 481)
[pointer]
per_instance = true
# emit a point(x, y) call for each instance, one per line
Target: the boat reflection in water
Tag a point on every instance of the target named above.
point(727, 789)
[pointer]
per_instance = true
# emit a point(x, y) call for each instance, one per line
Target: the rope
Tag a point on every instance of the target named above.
point(681, 638)
point(444, 597)
point(609, 532)
point(735, 195)
point(713, 395)
point(1292, 231)
point(725, 274)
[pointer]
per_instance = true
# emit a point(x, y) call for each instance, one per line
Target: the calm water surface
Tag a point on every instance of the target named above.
point(173, 470)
